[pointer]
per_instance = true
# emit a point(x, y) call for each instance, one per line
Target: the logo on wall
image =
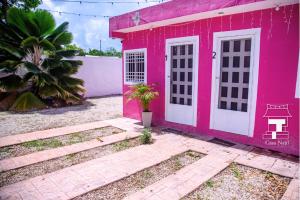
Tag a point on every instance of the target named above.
point(136, 18)
point(277, 119)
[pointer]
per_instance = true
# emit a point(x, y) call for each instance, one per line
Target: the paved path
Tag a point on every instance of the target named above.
point(187, 179)
point(95, 109)
point(79, 179)
point(87, 176)
point(40, 156)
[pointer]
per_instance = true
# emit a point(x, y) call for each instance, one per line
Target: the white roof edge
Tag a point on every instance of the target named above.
point(214, 13)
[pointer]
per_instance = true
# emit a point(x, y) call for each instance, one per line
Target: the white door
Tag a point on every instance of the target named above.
point(234, 81)
point(182, 80)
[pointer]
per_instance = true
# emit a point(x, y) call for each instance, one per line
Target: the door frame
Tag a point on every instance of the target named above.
point(254, 34)
point(178, 41)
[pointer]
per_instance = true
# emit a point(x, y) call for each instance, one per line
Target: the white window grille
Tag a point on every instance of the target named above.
point(135, 66)
point(235, 72)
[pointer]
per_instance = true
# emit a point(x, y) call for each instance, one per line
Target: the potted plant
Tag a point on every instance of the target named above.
point(144, 94)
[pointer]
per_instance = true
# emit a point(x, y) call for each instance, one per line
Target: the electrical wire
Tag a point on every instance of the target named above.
point(109, 2)
point(78, 14)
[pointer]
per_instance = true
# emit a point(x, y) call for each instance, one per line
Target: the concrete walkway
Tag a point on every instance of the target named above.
point(78, 179)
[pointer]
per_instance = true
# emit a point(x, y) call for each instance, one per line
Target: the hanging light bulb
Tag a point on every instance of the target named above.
point(277, 8)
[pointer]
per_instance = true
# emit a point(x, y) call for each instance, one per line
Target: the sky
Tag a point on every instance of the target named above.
point(87, 31)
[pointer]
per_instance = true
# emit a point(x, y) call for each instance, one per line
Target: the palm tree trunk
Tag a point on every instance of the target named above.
point(4, 9)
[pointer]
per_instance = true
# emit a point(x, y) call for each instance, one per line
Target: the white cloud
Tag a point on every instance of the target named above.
point(94, 30)
point(87, 31)
point(51, 6)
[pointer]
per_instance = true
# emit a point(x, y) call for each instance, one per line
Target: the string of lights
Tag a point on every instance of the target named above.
point(110, 2)
point(78, 14)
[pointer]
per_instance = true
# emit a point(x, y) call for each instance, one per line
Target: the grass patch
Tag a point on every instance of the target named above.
point(146, 137)
point(193, 154)
point(268, 175)
point(177, 164)
point(76, 138)
point(4, 150)
point(209, 184)
point(71, 156)
point(236, 172)
point(121, 145)
point(42, 144)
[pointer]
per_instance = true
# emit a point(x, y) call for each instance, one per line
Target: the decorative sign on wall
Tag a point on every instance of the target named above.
point(136, 18)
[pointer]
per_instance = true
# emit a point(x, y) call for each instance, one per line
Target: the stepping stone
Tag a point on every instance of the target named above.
point(37, 135)
point(185, 180)
point(82, 178)
point(40, 156)
point(293, 191)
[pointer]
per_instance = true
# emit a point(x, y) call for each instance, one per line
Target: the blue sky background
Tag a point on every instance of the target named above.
point(87, 31)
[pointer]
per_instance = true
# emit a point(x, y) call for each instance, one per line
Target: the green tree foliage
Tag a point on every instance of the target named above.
point(75, 47)
point(109, 52)
point(33, 59)
point(95, 52)
point(24, 4)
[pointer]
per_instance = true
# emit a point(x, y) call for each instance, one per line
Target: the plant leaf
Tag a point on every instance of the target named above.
point(10, 83)
point(67, 53)
point(27, 101)
point(30, 41)
point(47, 45)
point(44, 21)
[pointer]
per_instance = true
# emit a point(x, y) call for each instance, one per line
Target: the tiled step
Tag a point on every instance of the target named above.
point(185, 180)
point(37, 135)
point(272, 164)
point(79, 179)
point(293, 191)
point(122, 123)
point(21, 161)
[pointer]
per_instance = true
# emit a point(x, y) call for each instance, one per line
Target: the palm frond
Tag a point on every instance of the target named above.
point(10, 83)
point(15, 51)
point(47, 45)
point(30, 41)
point(9, 66)
point(63, 39)
point(27, 101)
point(142, 93)
point(44, 21)
point(61, 28)
point(49, 90)
point(67, 53)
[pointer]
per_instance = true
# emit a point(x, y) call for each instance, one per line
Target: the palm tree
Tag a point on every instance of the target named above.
point(33, 59)
point(143, 93)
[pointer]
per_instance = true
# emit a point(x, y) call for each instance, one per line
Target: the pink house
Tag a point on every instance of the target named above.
point(217, 64)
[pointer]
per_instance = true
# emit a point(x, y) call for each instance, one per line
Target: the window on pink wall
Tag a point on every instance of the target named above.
point(135, 66)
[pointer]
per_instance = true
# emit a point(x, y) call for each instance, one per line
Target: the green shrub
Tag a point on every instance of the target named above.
point(146, 137)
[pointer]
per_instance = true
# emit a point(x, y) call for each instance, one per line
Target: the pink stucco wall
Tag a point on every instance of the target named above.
point(164, 11)
point(279, 50)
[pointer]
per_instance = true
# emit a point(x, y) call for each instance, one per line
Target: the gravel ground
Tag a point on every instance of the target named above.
point(139, 180)
point(241, 183)
point(54, 142)
point(16, 175)
point(95, 109)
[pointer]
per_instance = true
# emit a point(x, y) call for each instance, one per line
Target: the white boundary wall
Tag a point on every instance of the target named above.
point(102, 75)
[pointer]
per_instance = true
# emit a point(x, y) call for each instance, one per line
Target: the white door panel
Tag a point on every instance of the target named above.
point(234, 81)
point(181, 80)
